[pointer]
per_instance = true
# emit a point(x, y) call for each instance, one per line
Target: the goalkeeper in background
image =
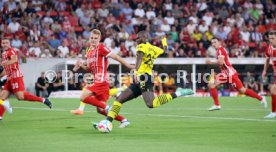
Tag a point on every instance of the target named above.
point(146, 54)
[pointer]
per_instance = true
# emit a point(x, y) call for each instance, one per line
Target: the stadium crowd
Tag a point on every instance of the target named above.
point(60, 28)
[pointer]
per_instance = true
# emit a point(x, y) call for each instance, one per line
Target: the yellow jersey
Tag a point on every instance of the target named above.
point(151, 52)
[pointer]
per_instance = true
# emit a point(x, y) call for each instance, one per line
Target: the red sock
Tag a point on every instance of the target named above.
point(95, 102)
point(214, 95)
point(252, 94)
point(30, 97)
point(118, 117)
point(2, 111)
point(273, 102)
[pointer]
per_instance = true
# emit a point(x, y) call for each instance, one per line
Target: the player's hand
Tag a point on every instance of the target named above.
point(131, 67)
point(264, 75)
point(208, 61)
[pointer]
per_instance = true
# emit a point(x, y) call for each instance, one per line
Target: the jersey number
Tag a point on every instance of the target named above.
point(14, 85)
point(149, 60)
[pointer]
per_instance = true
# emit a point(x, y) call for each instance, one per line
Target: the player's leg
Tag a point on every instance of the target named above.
point(4, 103)
point(146, 86)
point(4, 95)
point(88, 97)
point(248, 92)
point(212, 85)
point(273, 102)
point(26, 96)
point(115, 91)
point(130, 93)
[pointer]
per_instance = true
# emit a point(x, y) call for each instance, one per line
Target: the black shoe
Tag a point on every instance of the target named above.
point(48, 103)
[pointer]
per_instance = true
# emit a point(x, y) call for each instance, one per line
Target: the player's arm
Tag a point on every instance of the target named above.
point(219, 61)
point(83, 65)
point(13, 60)
point(121, 60)
point(266, 65)
point(138, 60)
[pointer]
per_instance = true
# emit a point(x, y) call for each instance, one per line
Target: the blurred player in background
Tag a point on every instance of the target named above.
point(15, 83)
point(228, 74)
point(143, 85)
point(3, 80)
point(97, 93)
point(271, 54)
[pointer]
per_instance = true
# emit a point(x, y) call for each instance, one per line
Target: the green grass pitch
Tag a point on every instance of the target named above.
point(183, 125)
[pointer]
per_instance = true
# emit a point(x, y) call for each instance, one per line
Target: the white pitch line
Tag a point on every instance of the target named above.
point(159, 115)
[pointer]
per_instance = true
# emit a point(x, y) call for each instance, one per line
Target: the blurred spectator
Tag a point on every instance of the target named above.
point(14, 25)
point(250, 82)
point(41, 86)
point(63, 50)
point(57, 85)
point(16, 42)
point(35, 50)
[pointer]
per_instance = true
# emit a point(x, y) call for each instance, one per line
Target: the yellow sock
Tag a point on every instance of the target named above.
point(115, 109)
point(161, 99)
point(113, 91)
point(1, 102)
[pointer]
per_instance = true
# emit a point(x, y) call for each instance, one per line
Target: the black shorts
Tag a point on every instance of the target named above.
point(145, 85)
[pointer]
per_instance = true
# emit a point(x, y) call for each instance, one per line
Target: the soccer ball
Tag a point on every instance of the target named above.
point(105, 126)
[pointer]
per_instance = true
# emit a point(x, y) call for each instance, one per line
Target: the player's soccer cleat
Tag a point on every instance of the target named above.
point(263, 102)
point(214, 107)
point(95, 125)
point(7, 106)
point(77, 112)
point(271, 115)
point(124, 123)
point(1, 118)
point(48, 103)
point(185, 92)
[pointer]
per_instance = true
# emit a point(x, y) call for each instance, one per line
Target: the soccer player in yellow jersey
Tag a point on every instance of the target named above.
point(146, 54)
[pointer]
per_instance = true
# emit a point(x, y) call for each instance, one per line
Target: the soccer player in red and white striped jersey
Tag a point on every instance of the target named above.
point(15, 82)
point(271, 54)
point(228, 74)
point(97, 93)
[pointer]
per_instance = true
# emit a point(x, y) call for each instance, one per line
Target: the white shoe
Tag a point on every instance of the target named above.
point(214, 107)
point(1, 118)
point(124, 123)
point(271, 115)
point(7, 106)
point(263, 102)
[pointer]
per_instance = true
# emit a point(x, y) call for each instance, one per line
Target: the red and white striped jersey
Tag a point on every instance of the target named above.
point(271, 54)
point(97, 62)
point(12, 70)
point(227, 67)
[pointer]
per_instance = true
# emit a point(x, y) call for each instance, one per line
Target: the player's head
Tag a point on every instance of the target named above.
point(5, 43)
point(142, 37)
point(216, 42)
point(272, 37)
point(95, 37)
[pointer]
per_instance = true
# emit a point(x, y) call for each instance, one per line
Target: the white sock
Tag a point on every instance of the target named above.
point(81, 107)
point(178, 94)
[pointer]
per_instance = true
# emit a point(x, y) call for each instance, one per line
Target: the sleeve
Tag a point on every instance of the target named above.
point(158, 51)
point(11, 53)
point(267, 52)
point(222, 53)
point(141, 48)
point(104, 51)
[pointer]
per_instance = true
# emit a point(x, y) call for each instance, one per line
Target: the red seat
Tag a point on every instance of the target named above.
point(64, 13)
point(41, 13)
point(53, 13)
point(78, 29)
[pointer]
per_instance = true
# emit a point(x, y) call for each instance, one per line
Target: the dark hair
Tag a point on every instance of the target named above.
point(216, 38)
point(272, 32)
